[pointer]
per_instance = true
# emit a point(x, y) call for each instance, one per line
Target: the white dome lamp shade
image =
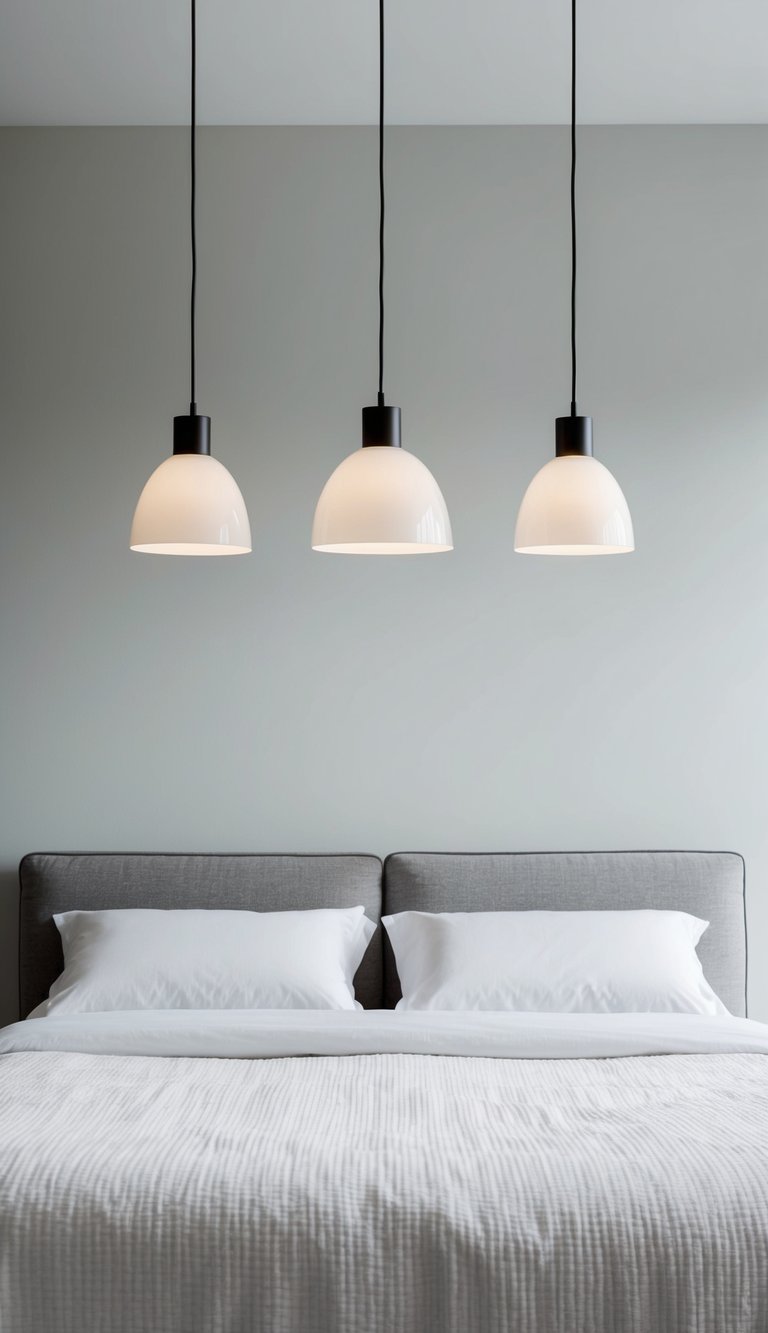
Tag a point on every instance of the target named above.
point(574, 506)
point(191, 504)
point(381, 500)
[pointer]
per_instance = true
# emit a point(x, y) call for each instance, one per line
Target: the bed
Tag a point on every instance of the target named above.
point(368, 1171)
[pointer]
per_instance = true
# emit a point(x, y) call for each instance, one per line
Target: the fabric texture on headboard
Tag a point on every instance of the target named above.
point(61, 882)
point(706, 884)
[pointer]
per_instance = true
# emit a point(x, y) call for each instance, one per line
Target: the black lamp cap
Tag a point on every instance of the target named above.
point(573, 435)
point(381, 425)
point(192, 434)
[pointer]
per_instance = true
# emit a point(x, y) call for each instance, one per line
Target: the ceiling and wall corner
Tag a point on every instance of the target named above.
point(459, 62)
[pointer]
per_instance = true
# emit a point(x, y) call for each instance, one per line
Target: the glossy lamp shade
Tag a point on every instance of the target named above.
point(574, 506)
point(191, 505)
point(381, 501)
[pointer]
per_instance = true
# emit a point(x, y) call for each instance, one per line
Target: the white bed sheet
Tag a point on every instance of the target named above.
point(262, 1033)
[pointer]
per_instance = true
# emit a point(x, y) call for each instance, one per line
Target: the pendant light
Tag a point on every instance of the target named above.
point(574, 506)
point(381, 500)
point(191, 504)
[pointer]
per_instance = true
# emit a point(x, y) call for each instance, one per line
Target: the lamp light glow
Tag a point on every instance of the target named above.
point(381, 501)
point(191, 505)
point(574, 506)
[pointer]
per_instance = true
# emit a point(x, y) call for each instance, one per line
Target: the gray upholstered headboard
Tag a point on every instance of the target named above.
point(61, 882)
point(707, 884)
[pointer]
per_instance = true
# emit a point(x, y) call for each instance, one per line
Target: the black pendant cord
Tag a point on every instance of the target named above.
point(573, 208)
point(192, 201)
point(381, 424)
point(381, 204)
point(573, 434)
point(192, 433)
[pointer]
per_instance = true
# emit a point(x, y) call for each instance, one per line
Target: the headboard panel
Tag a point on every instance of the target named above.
point(706, 884)
point(61, 882)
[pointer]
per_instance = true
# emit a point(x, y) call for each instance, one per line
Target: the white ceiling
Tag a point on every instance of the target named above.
point(449, 61)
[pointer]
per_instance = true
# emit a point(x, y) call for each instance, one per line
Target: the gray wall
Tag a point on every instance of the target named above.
point(297, 701)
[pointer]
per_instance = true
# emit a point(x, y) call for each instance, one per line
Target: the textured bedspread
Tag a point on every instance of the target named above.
point(391, 1193)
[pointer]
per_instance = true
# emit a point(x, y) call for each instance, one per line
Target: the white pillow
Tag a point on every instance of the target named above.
point(552, 962)
point(198, 959)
